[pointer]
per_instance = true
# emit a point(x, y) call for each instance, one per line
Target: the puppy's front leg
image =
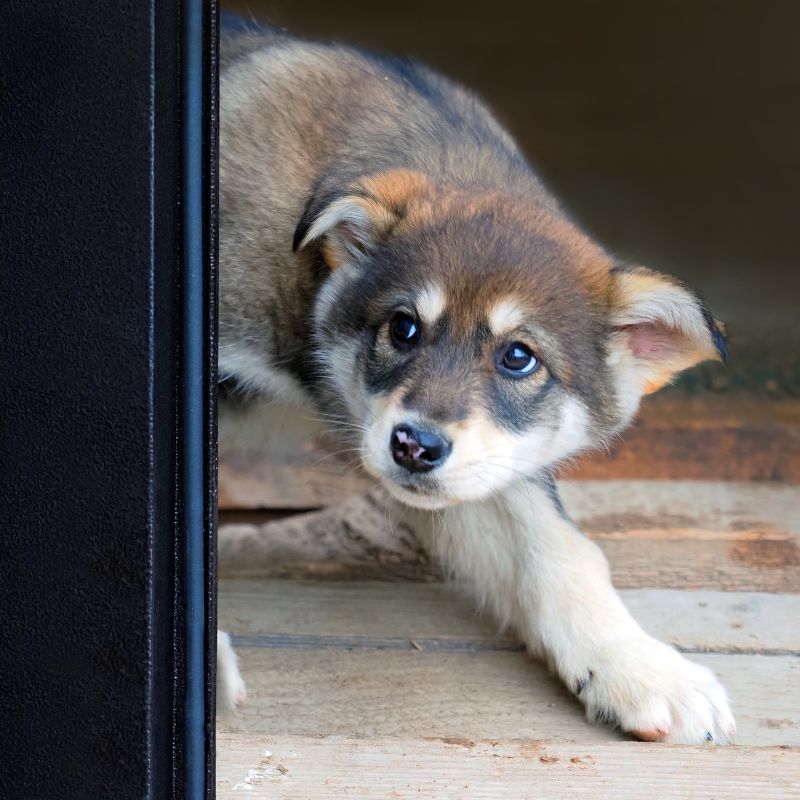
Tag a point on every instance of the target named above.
point(527, 561)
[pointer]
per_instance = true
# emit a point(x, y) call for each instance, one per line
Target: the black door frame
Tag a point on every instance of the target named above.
point(108, 399)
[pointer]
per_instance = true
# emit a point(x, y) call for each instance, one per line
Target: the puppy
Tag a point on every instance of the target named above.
point(389, 258)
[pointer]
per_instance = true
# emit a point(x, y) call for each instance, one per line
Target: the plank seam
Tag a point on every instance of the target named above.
point(288, 641)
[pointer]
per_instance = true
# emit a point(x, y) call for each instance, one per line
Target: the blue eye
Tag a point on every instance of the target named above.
point(516, 360)
point(404, 331)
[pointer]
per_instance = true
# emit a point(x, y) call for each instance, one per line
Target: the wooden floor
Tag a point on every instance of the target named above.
point(368, 677)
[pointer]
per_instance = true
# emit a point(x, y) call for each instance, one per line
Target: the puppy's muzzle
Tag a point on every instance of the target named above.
point(419, 450)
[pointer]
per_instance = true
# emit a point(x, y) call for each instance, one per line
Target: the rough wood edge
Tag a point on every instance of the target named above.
point(334, 767)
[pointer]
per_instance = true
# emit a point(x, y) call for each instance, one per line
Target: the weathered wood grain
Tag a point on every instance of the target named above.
point(320, 767)
point(734, 563)
point(741, 622)
point(482, 694)
point(609, 506)
point(705, 437)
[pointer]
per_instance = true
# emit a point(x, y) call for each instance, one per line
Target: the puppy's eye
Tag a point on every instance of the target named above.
point(404, 331)
point(516, 360)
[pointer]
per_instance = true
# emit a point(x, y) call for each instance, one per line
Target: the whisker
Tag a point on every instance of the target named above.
point(336, 453)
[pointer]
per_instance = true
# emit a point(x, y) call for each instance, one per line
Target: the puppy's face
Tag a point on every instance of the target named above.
point(468, 343)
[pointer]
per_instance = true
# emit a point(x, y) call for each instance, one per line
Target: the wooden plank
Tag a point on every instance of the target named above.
point(294, 767)
point(479, 694)
point(733, 563)
point(692, 535)
point(656, 534)
point(609, 506)
point(675, 437)
point(705, 437)
point(741, 622)
point(363, 608)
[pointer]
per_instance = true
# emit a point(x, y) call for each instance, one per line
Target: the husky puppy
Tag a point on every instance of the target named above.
point(389, 258)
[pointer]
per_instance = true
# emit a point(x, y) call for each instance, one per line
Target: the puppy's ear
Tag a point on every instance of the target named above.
point(659, 328)
point(351, 223)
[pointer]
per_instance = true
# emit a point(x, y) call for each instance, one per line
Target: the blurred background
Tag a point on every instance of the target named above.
point(669, 130)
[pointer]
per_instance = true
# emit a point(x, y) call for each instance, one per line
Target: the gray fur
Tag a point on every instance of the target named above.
point(300, 119)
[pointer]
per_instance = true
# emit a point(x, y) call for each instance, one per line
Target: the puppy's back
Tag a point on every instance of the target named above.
point(353, 111)
point(301, 119)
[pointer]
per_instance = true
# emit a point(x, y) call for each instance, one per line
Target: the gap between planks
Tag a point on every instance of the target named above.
point(376, 615)
point(289, 641)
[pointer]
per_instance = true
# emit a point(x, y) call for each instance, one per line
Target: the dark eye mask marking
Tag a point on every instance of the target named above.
point(517, 410)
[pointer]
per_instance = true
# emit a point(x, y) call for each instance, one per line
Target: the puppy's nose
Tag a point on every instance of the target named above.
point(417, 450)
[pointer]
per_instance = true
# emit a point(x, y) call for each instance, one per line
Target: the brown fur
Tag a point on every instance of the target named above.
point(431, 189)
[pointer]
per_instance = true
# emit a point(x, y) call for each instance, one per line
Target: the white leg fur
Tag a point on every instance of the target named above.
point(525, 561)
point(230, 685)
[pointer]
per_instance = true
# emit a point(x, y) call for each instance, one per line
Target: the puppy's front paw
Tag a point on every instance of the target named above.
point(230, 684)
point(653, 692)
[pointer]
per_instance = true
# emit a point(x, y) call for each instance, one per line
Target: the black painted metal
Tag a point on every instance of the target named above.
point(92, 401)
point(211, 34)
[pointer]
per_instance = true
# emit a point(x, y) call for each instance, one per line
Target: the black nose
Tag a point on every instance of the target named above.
point(418, 451)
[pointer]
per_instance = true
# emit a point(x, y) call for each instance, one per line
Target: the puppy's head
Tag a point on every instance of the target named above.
point(468, 340)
